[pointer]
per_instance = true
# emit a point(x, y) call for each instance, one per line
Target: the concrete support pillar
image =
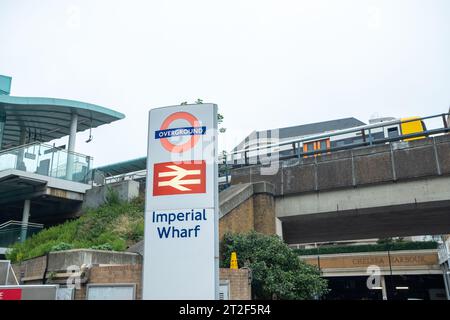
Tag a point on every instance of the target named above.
point(383, 288)
point(71, 147)
point(25, 218)
point(279, 228)
point(2, 126)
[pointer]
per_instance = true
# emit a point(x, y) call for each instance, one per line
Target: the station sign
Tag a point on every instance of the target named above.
point(181, 208)
point(10, 294)
point(29, 292)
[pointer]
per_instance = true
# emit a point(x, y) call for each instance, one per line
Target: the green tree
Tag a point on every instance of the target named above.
point(219, 115)
point(277, 271)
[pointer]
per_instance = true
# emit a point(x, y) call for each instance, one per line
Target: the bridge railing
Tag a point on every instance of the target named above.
point(288, 149)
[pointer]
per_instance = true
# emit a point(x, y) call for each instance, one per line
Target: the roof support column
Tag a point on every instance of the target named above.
point(71, 147)
point(2, 126)
point(25, 218)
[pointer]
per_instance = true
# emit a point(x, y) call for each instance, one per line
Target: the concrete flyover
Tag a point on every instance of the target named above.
point(397, 189)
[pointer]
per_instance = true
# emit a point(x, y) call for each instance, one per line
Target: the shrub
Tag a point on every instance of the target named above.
point(276, 269)
point(62, 246)
point(112, 196)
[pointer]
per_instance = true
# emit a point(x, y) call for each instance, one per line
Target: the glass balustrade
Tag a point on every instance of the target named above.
point(14, 232)
point(48, 161)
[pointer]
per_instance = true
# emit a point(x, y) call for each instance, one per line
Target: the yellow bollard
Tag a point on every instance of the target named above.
point(234, 262)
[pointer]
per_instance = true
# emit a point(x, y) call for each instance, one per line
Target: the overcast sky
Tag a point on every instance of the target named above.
point(267, 64)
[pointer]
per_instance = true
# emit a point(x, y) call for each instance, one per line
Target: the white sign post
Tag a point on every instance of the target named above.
point(181, 210)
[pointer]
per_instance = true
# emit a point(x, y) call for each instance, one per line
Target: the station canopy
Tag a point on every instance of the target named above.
point(124, 167)
point(46, 119)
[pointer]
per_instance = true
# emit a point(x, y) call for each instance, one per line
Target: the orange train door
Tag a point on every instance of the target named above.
point(316, 146)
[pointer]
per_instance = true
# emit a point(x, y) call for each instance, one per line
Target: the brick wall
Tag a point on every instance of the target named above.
point(264, 213)
point(31, 271)
point(240, 288)
point(256, 213)
point(111, 275)
point(238, 220)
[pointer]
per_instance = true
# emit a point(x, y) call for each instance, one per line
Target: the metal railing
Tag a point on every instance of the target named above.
point(365, 132)
point(444, 251)
point(47, 160)
point(15, 231)
point(137, 175)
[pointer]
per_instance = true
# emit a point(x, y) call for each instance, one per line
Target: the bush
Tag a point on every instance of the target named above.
point(112, 196)
point(277, 272)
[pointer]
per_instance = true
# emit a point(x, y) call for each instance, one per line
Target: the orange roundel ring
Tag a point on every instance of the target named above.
point(188, 144)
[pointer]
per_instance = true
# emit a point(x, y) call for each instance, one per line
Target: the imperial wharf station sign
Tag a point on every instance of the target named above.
point(181, 211)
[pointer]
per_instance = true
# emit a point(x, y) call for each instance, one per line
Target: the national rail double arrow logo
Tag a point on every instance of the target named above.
point(170, 178)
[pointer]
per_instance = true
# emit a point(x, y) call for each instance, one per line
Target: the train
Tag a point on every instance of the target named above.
point(381, 130)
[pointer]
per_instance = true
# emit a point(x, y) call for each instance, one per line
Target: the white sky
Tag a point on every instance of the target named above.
point(267, 64)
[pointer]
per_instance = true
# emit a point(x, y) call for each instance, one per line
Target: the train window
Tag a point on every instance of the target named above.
point(308, 147)
point(392, 132)
point(322, 145)
point(316, 145)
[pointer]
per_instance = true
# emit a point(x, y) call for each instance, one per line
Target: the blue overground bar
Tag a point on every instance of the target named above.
point(175, 132)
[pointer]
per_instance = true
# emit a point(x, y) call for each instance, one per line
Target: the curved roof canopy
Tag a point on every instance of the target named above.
point(45, 119)
point(124, 167)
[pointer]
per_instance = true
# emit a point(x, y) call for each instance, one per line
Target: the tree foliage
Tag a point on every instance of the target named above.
point(220, 116)
point(277, 271)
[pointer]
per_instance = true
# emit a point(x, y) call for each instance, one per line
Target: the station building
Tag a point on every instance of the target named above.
point(41, 183)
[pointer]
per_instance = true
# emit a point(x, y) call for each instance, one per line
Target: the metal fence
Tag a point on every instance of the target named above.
point(288, 149)
point(15, 231)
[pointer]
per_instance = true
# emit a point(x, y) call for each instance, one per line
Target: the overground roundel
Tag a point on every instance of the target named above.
point(165, 132)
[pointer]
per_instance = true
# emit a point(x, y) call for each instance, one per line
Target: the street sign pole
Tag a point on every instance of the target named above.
point(181, 248)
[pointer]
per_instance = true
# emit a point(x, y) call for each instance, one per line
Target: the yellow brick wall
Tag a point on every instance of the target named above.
point(111, 275)
point(264, 213)
point(238, 220)
point(256, 213)
point(240, 288)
